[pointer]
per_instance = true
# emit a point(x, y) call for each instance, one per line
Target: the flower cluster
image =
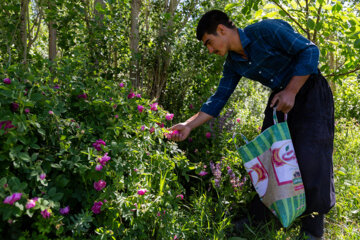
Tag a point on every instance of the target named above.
point(7, 80)
point(235, 181)
point(7, 125)
point(216, 171)
point(96, 208)
point(171, 134)
point(98, 143)
point(65, 210)
point(99, 185)
point(46, 213)
point(84, 96)
point(12, 198)
point(31, 203)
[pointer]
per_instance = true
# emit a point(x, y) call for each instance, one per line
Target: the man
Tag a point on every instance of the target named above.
point(272, 53)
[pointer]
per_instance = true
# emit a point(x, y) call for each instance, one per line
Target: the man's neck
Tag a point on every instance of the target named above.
point(236, 45)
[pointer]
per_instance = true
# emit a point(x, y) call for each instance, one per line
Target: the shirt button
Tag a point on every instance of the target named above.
point(271, 80)
point(259, 72)
point(281, 87)
point(249, 62)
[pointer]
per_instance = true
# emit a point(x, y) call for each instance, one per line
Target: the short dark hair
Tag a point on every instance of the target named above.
point(209, 22)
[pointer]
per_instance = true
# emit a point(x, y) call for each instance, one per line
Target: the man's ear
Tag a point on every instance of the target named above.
point(221, 29)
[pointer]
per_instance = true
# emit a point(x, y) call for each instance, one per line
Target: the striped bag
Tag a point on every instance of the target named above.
point(271, 162)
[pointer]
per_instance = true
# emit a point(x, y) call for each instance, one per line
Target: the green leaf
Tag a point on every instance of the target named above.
point(311, 24)
point(24, 156)
point(357, 43)
point(337, 7)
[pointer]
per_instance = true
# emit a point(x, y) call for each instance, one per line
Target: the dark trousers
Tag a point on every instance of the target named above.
point(311, 125)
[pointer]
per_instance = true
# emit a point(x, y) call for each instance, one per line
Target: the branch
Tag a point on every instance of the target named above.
point(317, 21)
point(31, 41)
point(307, 18)
point(290, 17)
point(192, 7)
point(341, 74)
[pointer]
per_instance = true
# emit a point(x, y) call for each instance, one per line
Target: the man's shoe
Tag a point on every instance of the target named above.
point(308, 236)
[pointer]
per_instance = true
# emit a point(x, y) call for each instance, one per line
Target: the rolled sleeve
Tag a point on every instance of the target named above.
point(227, 85)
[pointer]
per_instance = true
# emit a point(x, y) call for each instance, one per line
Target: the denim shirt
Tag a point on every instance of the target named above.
point(275, 54)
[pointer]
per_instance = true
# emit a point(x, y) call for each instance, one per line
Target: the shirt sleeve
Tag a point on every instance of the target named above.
point(280, 35)
point(227, 85)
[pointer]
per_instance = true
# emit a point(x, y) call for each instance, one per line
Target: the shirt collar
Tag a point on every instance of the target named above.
point(244, 42)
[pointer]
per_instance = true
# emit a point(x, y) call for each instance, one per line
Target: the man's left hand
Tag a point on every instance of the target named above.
point(284, 101)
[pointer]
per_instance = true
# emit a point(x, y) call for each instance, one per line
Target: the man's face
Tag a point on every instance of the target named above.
point(216, 44)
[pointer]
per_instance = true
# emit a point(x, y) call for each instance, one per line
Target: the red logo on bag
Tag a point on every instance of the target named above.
point(260, 171)
point(287, 156)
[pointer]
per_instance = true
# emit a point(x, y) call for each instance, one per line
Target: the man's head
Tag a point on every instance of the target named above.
point(213, 29)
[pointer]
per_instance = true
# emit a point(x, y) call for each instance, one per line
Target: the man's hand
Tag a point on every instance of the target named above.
point(183, 132)
point(284, 101)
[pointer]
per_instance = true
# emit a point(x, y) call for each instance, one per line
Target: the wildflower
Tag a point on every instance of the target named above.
point(160, 125)
point(103, 160)
point(169, 116)
point(196, 150)
point(238, 120)
point(98, 167)
point(51, 112)
point(171, 134)
point(46, 213)
point(158, 214)
point(13, 198)
point(14, 106)
point(84, 96)
point(131, 95)
point(190, 139)
point(96, 208)
point(135, 169)
point(216, 170)
point(142, 191)
point(98, 143)
point(99, 185)
point(208, 135)
point(110, 99)
point(42, 176)
point(142, 128)
point(116, 116)
point(138, 95)
point(7, 81)
point(115, 106)
point(6, 124)
point(140, 108)
point(121, 85)
point(56, 86)
point(31, 203)
point(27, 110)
point(153, 107)
point(202, 173)
point(152, 130)
point(65, 210)
point(180, 196)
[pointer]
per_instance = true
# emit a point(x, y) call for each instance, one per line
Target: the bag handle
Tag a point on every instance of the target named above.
point(275, 122)
point(275, 116)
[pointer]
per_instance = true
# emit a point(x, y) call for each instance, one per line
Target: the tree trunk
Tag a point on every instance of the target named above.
point(52, 40)
point(23, 33)
point(134, 43)
point(163, 59)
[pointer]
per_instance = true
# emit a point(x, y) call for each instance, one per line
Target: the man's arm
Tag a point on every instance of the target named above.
point(285, 100)
point(185, 128)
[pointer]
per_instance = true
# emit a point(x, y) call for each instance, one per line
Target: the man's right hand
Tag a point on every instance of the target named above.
point(183, 132)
